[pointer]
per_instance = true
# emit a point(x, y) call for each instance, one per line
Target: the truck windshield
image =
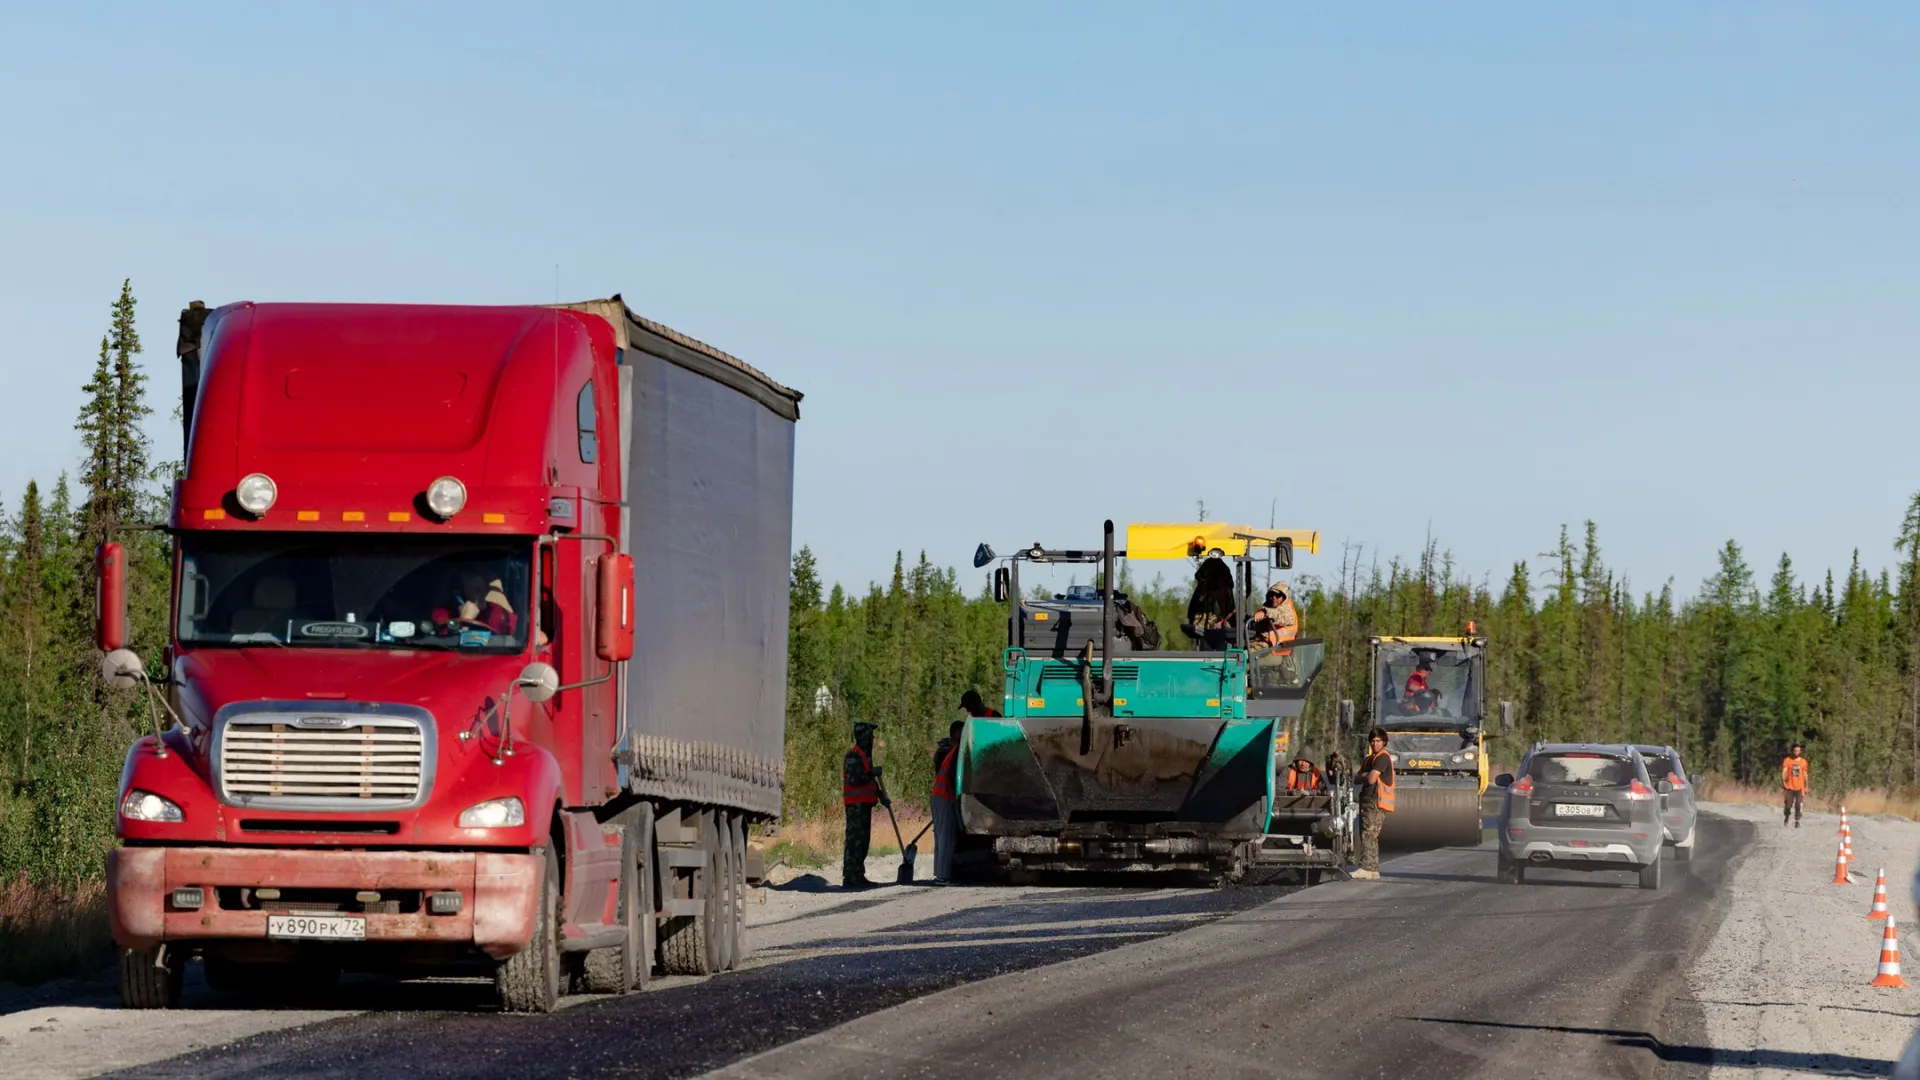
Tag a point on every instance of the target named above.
point(354, 591)
point(1428, 683)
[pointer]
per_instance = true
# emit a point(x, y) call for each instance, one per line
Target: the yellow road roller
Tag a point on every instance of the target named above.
point(1429, 693)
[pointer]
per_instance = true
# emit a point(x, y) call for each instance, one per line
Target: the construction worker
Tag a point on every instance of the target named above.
point(1795, 772)
point(859, 790)
point(1304, 779)
point(1376, 802)
point(1276, 622)
point(946, 821)
point(970, 701)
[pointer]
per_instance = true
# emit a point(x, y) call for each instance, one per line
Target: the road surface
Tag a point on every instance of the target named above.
point(1435, 971)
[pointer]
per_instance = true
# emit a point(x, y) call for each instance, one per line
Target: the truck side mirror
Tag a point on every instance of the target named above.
point(1283, 554)
point(1002, 584)
point(982, 555)
point(1505, 779)
point(613, 624)
point(1346, 717)
point(110, 598)
point(1506, 717)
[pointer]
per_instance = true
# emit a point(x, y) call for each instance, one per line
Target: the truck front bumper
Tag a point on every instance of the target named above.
point(499, 893)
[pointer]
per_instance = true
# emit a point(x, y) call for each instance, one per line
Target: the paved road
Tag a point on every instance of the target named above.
point(814, 970)
point(1436, 971)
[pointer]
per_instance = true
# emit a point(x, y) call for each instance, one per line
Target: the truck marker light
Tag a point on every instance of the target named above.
point(446, 497)
point(494, 519)
point(1036, 703)
point(255, 493)
point(307, 515)
point(215, 514)
point(146, 806)
point(353, 515)
point(399, 515)
point(188, 898)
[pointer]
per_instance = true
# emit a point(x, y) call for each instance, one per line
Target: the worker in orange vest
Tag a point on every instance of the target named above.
point(972, 703)
point(1795, 771)
point(946, 818)
point(1304, 779)
point(1276, 622)
point(859, 791)
point(1376, 802)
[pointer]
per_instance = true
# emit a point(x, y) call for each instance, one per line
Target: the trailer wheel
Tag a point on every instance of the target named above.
point(620, 968)
point(151, 978)
point(741, 949)
point(686, 941)
point(529, 980)
point(722, 914)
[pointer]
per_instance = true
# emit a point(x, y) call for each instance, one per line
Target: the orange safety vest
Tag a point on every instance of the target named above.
point(1275, 634)
point(1294, 783)
point(1384, 786)
point(1793, 773)
point(853, 794)
point(943, 777)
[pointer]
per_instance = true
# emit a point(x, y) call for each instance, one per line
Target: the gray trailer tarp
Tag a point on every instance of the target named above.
point(707, 455)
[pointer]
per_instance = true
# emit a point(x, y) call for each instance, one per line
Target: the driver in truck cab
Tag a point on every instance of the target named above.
point(1420, 696)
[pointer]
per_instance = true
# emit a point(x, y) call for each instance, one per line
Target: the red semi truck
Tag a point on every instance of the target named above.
point(477, 654)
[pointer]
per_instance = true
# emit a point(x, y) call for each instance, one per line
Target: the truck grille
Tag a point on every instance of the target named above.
point(323, 762)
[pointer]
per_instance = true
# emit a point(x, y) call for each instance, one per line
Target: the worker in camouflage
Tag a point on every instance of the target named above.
point(859, 791)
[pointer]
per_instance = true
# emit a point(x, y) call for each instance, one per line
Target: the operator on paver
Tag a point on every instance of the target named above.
point(971, 702)
point(1376, 802)
point(1304, 779)
point(1277, 621)
point(1795, 771)
point(946, 831)
point(859, 790)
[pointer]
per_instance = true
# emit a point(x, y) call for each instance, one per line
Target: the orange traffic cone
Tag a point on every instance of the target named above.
point(1879, 909)
point(1889, 974)
point(1840, 869)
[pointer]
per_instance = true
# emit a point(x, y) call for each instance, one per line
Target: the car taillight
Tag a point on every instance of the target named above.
point(1523, 786)
point(1638, 792)
point(1675, 779)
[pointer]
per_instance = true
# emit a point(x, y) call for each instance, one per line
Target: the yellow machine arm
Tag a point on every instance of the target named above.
point(1183, 539)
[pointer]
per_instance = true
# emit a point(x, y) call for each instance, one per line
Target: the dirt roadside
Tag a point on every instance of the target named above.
point(1781, 988)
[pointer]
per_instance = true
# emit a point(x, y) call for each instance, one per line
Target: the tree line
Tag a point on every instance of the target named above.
point(1731, 673)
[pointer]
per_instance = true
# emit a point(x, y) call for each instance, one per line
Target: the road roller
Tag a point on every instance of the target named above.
point(1429, 694)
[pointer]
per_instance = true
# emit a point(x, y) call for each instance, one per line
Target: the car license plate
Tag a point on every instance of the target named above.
point(324, 927)
point(1578, 810)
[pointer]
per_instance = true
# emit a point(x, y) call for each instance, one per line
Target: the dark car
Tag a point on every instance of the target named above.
point(1677, 815)
point(1581, 806)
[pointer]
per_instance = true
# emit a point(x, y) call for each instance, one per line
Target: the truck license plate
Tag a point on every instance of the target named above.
point(324, 927)
point(1579, 810)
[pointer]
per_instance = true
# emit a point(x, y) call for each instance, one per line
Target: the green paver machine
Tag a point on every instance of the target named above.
point(1115, 755)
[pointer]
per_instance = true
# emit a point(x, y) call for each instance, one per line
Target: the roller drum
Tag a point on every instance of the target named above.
point(1433, 815)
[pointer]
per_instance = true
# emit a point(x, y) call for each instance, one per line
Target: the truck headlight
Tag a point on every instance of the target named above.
point(146, 806)
point(494, 814)
point(446, 497)
point(255, 493)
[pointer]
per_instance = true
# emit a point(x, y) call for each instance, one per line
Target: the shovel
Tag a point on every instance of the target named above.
point(907, 853)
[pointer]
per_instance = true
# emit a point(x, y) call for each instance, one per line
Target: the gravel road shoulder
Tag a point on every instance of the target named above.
point(1781, 988)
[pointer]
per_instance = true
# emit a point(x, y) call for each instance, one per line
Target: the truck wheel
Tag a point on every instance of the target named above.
point(529, 980)
point(741, 950)
point(1650, 874)
point(627, 967)
point(721, 914)
point(686, 941)
point(150, 978)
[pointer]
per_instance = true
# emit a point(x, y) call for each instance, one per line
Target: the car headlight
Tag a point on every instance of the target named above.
point(255, 493)
point(146, 806)
point(494, 814)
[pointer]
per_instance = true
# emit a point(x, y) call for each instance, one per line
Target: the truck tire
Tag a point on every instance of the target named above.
point(727, 938)
point(529, 980)
point(629, 966)
point(740, 947)
point(151, 978)
point(1650, 873)
point(686, 941)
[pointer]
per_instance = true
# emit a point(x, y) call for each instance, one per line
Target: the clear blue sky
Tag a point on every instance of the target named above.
point(1478, 268)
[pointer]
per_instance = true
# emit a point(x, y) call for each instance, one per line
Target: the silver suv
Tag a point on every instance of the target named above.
point(1581, 806)
point(1677, 814)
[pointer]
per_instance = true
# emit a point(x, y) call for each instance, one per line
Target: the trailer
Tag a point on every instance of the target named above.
point(477, 656)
